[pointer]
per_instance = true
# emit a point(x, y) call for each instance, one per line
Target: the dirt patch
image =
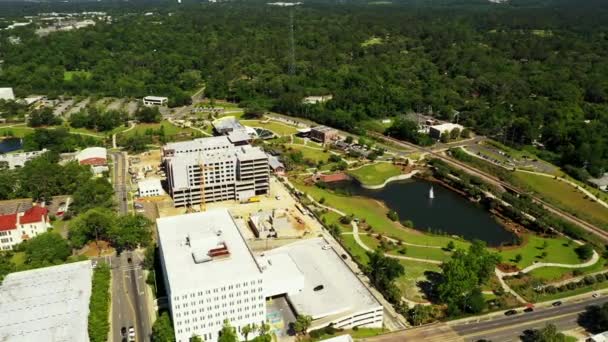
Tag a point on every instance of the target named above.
point(94, 249)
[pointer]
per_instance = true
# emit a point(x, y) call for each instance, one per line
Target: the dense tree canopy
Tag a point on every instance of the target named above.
point(520, 72)
point(46, 249)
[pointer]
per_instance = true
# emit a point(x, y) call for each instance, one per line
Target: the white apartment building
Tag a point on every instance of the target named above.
point(150, 188)
point(228, 172)
point(13, 160)
point(155, 101)
point(210, 275)
point(17, 227)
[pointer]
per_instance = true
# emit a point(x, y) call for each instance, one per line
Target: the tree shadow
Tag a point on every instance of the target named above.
point(429, 286)
point(588, 319)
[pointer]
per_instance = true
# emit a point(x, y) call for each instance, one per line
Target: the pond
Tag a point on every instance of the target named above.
point(447, 212)
point(10, 145)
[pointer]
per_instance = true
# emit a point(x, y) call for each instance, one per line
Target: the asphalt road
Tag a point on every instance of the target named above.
point(129, 305)
point(120, 177)
point(510, 328)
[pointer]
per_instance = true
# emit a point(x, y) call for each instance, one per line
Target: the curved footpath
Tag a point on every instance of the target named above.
point(390, 179)
point(595, 258)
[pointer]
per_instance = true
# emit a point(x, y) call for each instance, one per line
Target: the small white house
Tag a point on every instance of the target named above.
point(149, 188)
point(7, 94)
point(155, 101)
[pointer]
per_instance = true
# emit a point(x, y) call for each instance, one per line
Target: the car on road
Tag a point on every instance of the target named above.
point(326, 247)
point(344, 256)
point(129, 260)
point(529, 309)
point(558, 303)
point(123, 331)
point(510, 312)
point(595, 295)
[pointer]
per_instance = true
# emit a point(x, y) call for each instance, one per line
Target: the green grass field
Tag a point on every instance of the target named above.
point(411, 251)
point(17, 132)
point(276, 127)
point(375, 174)
point(414, 271)
point(170, 129)
point(69, 75)
point(565, 196)
point(550, 274)
point(558, 251)
point(313, 154)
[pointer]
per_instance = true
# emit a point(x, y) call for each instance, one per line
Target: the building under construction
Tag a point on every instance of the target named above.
point(212, 169)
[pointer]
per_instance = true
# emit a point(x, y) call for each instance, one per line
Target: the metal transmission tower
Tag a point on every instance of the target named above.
point(292, 47)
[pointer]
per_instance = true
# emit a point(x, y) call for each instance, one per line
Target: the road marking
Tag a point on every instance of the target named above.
point(505, 327)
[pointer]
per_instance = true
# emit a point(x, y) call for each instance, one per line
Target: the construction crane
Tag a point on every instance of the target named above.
point(203, 168)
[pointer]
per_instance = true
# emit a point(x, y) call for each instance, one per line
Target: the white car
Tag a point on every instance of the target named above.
point(326, 247)
point(131, 334)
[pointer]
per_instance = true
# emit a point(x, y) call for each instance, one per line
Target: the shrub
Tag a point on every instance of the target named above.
point(577, 273)
point(98, 324)
point(589, 280)
point(600, 278)
point(392, 215)
point(571, 286)
point(551, 289)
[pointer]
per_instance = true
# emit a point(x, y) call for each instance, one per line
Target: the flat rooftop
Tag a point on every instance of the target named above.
point(46, 304)
point(218, 142)
point(185, 238)
point(342, 292)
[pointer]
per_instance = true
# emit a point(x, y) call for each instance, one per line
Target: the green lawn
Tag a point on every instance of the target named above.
point(314, 154)
point(356, 334)
point(549, 274)
point(68, 75)
point(17, 132)
point(374, 213)
point(170, 129)
point(372, 41)
point(375, 174)
point(330, 217)
point(411, 251)
point(414, 271)
point(86, 131)
point(558, 251)
point(278, 128)
point(565, 196)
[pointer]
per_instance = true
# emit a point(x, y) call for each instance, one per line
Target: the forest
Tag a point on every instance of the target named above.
point(523, 74)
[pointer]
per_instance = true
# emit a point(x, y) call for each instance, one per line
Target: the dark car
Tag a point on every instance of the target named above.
point(344, 256)
point(129, 260)
point(529, 309)
point(558, 303)
point(123, 332)
point(510, 312)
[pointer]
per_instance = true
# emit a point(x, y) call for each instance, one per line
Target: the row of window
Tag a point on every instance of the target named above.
point(251, 283)
point(217, 307)
point(209, 323)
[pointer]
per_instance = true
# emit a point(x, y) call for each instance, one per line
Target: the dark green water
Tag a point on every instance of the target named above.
point(447, 212)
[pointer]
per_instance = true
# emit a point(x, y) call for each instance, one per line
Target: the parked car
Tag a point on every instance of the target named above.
point(510, 312)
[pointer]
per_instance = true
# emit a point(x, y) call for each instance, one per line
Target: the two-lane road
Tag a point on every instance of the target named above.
point(120, 181)
point(129, 305)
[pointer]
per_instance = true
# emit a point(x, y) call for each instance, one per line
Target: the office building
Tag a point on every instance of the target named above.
point(48, 304)
point(210, 275)
point(155, 101)
point(13, 160)
point(224, 171)
point(323, 134)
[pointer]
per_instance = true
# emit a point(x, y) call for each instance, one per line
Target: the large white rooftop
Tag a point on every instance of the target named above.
point(219, 142)
point(341, 294)
point(47, 304)
point(185, 238)
point(7, 94)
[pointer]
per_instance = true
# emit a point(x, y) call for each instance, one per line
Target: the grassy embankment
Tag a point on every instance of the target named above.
point(375, 174)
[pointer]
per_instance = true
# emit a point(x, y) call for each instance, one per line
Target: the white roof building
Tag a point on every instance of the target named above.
point(19, 159)
point(437, 130)
point(7, 94)
point(602, 337)
point(318, 283)
point(210, 274)
point(46, 304)
point(150, 187)
point(92, 156)
point(197, 145)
